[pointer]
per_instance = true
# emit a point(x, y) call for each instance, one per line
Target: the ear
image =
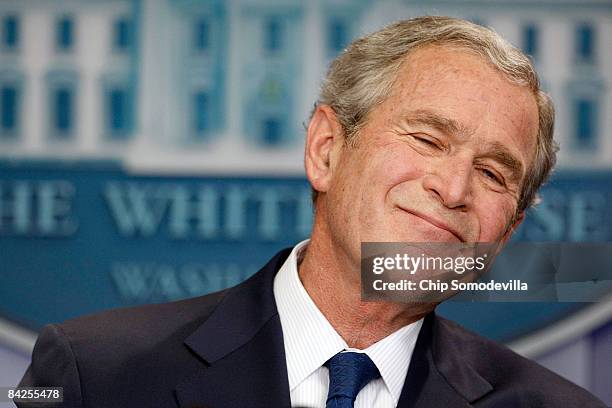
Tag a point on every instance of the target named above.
point(324, 141)
point(506, 237)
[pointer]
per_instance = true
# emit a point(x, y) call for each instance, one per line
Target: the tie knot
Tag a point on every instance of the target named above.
point(349, 372)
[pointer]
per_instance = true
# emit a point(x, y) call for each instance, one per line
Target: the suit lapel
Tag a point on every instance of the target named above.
point(241, 345)
point(437, 376)
point(243, 357)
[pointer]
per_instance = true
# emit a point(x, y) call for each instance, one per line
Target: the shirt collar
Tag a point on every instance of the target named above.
point(310, 340)
point(392, 356)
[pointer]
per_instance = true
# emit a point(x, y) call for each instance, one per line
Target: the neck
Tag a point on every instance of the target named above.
point(333, 283)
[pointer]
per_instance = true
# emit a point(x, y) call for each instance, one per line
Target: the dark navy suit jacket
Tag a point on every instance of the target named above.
point(225, 350)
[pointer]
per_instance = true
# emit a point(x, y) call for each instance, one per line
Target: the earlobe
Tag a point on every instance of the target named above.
point(322, 138)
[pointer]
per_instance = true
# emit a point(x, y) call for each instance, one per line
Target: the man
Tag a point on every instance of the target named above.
point(430, 130)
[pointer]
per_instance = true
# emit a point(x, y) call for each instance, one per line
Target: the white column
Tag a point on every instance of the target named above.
point(152, 89)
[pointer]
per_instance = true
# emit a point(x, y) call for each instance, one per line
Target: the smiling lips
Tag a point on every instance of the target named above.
point(435, 222)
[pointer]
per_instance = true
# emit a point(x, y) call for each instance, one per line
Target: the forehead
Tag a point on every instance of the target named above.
point(464, 87)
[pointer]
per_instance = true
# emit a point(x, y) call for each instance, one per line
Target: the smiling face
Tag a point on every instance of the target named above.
point(442, 159)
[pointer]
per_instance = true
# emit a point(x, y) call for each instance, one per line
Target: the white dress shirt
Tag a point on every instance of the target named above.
point(310, 341)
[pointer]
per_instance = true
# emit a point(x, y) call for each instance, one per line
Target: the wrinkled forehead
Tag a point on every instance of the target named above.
point(467, 89)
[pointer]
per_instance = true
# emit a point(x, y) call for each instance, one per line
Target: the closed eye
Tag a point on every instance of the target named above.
point(494, 177)
point(426, 141)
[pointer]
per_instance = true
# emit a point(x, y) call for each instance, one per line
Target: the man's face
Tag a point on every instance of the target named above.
point(442, 159)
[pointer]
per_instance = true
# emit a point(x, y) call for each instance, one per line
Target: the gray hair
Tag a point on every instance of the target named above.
point(363, 75)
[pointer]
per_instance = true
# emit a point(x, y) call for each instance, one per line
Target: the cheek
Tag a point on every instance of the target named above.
point(384, 168)
point(352, 191)
point(398, 164)
point(493, 223)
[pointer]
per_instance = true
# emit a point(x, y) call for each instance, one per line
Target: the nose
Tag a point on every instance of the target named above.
point(450, 182)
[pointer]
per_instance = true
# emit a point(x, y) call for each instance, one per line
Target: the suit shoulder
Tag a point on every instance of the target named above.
point(509, 372)
point(139, 323)
point(88, 354)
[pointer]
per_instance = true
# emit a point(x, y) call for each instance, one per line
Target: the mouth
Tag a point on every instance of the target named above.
point(435, 222)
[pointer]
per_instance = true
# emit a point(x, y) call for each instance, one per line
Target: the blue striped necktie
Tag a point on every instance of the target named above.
point(349, 372)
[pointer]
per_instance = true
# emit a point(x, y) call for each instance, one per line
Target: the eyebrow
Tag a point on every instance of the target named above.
point(502, 155)
point(494, 150)
point(438, 122)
